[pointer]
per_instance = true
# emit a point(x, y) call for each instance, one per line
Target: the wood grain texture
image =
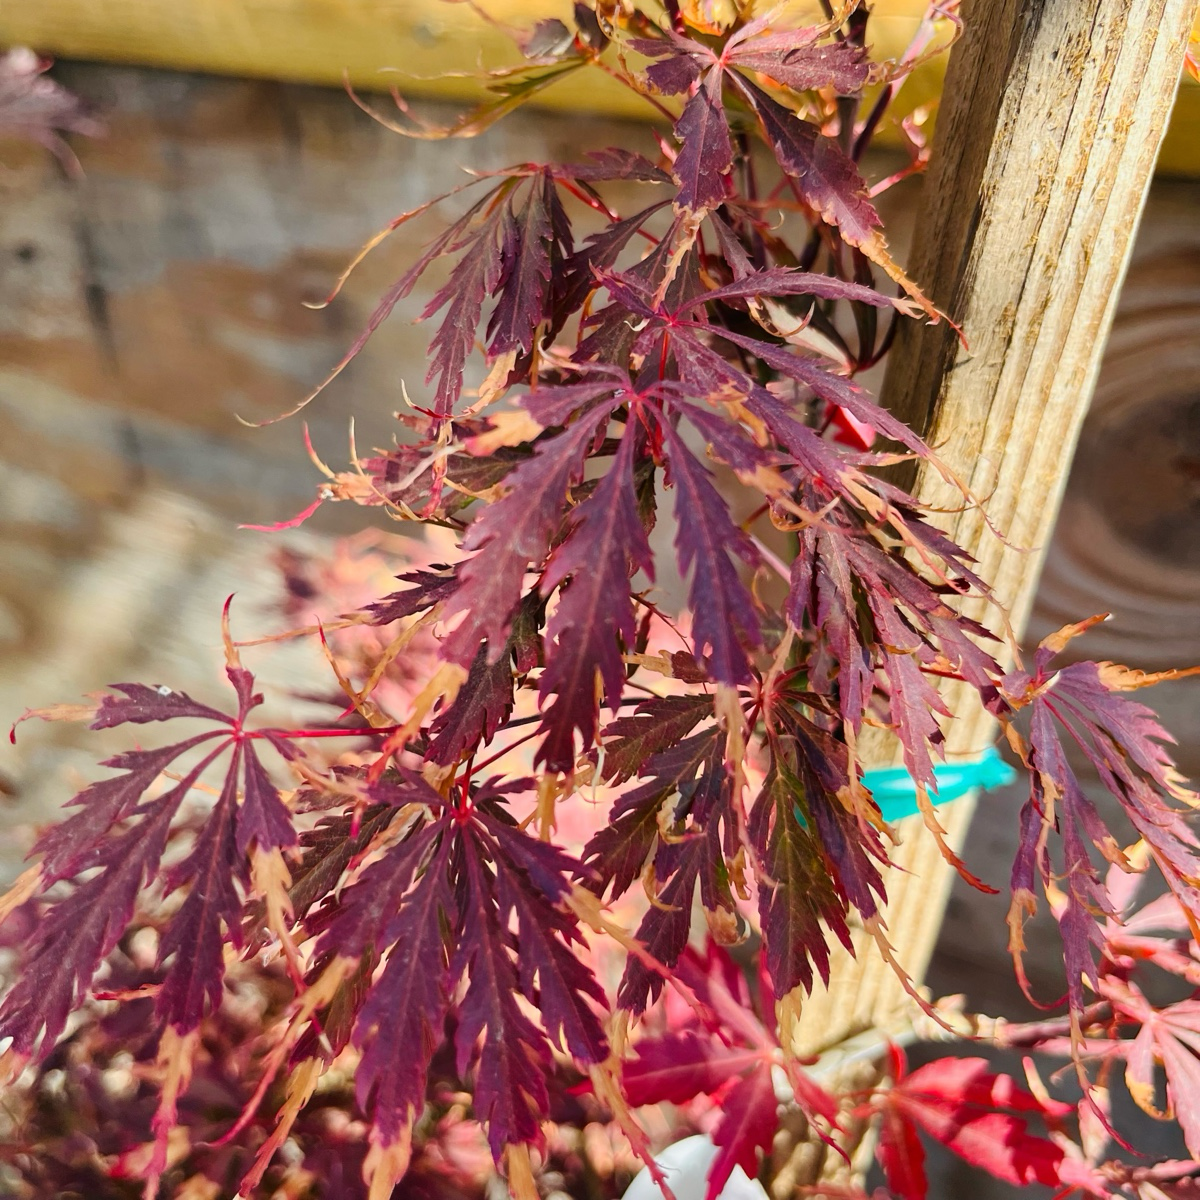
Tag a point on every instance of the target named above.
point(1125, 541)
point(1053, 114)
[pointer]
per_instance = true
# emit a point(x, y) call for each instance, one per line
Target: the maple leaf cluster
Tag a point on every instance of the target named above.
point(687, 357)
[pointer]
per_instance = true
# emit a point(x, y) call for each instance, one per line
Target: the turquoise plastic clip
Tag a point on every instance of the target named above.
point(896, 794)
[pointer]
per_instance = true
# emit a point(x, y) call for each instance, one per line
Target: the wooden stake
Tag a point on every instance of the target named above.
point(1052, 116)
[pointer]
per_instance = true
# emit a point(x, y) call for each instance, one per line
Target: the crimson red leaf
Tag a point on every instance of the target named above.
point(678, 1067)
point(748, 1124)
point(959, 1107)
point(970, 1081)
point(902, 1156)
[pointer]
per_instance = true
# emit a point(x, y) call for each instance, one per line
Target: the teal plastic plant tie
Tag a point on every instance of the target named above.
point(896, 794)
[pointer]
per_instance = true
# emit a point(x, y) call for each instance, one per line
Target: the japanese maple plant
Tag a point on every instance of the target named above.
point(374, 952)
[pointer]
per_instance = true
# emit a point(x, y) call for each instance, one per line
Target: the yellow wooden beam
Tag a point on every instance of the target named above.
point(424, 47)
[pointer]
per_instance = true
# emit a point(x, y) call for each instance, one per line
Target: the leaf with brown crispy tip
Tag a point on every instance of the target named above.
point(512, 534)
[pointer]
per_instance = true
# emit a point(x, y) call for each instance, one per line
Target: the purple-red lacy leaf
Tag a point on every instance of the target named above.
point(724, 622)
point(617, 853)
point(580, 274)
point(664, 929)
point(566, 993)
point(65, 847)
point(797, 894)
point(829, 387)
point(78, 931)
point(483, 704)
point(729, 443)
point(548, 868)
point(656, 724)
point(698, 859)
point(328, 850)
point(674, 75)
point(429, 588)
point(706, 155)
point(791, 58)
point(1123, 741)
point(406, 478)
point(193, 941)
point(826, 177)
point(555, 404)
point(613, 162)
point(786, 281)
point(530, 239)
point(372, 911)
point(454, 237)
point(594, 614)
point(139, 704)
point(400, 1024)
point(76, 935)
point(474, 276)
point(510, 1096)
point(263, 818)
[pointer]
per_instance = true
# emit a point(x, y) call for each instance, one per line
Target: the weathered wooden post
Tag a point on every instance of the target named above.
point(1051, 119)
